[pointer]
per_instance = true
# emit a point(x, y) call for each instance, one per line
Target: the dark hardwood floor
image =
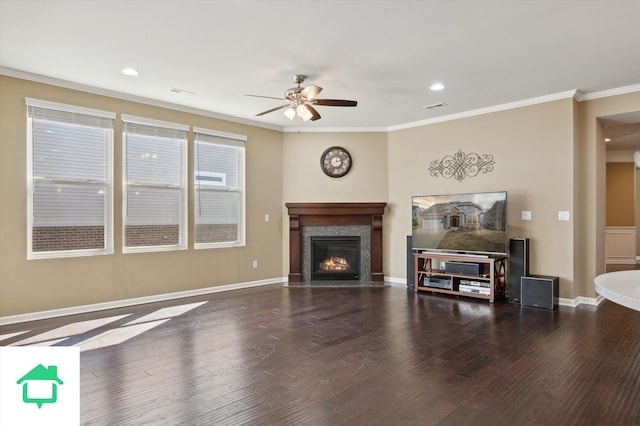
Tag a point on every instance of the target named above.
point(351, 356)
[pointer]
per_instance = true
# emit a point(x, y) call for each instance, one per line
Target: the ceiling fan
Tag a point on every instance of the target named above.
point(300, 101)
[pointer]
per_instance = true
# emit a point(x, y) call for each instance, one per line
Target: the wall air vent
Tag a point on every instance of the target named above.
point(188, 92)
point(438, 105)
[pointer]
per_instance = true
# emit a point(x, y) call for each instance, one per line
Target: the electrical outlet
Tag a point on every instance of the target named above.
point(526, 215)
point(266, 217)
point(255, 264)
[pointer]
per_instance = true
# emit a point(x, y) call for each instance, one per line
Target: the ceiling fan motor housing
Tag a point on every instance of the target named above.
point(293, 93)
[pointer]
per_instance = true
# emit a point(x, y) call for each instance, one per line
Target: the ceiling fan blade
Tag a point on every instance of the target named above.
point(266, 97)
point(311, 92)
point(272, 109)
point(334, 102)
point(316, 115)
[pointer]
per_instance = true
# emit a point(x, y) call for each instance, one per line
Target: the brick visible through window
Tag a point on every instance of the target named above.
point(57, 238)
point(211, 233)
point(152, 235)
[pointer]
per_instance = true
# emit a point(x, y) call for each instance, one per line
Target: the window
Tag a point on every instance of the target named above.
point(155, 196)
point(219, 189)
point(69, 181)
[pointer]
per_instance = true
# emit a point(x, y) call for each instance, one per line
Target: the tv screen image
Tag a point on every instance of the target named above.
point(474, 223)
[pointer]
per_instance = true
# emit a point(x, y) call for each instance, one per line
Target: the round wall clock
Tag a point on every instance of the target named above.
point(335, 161)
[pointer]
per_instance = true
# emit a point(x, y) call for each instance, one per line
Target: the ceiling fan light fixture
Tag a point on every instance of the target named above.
point(290, 113)
point(304, 113)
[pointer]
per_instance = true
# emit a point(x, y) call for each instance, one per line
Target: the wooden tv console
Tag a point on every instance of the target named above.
point(489, 284)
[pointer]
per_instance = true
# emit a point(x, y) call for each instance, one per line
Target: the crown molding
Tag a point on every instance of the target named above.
point(38, 78)
point(607, 93)
point(487, 110)
point(335, 129)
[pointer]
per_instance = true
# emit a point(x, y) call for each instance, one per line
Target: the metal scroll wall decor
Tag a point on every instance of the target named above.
point(461, 165)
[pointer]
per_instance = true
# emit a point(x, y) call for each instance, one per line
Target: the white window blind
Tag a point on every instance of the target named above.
point(155, 175)
point(219, 189)
point(69, 164)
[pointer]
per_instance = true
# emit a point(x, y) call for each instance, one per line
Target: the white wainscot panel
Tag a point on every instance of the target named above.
point(620, 244)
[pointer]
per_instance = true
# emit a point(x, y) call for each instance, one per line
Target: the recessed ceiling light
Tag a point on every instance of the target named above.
point(436, 87)
point(130, 71)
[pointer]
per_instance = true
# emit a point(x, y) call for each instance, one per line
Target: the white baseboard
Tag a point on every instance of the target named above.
point(35, 316)
point(593, 301)
point(395, 282)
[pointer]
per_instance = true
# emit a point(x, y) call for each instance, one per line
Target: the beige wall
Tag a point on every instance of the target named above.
point(304, 181)
point(533, 151)
point(35, 285)
point(620, 194)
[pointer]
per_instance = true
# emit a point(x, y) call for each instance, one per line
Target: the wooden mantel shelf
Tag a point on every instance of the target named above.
point(336, 209)
point(313, 214)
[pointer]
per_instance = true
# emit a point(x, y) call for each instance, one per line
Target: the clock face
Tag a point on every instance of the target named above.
point(335, 162)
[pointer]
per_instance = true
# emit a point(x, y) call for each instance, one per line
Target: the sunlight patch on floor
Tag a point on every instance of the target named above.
point(10, 335)
point(111, 337)
point(67, 331)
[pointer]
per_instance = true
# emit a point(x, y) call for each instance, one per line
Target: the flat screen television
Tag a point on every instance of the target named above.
point(474, 223)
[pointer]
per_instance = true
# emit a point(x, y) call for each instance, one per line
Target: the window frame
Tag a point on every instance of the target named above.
point(238, 141)
point(183, 186)
point(33, 180)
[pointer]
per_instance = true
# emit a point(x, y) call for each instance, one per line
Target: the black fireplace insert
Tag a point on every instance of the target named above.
point(335, 258)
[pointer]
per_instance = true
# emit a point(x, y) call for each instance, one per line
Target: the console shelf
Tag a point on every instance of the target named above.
point(430, 275)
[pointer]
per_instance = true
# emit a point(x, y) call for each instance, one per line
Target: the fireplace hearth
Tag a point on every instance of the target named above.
point(335, 258)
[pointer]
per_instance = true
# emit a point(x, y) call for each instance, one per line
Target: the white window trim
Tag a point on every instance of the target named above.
point(69, 108)
point(241, 139)
point(183, 184)
point(151, 122)
point(235, 136)
point(108, 232)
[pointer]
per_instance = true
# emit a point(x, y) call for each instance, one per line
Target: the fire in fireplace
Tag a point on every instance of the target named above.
point(335, 264)
point(335, 258)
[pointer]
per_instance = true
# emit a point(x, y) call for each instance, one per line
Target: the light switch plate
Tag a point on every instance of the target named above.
point(526, 215)
point(563, 215)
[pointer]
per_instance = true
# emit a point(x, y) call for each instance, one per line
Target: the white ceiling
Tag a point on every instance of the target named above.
point(384, 54)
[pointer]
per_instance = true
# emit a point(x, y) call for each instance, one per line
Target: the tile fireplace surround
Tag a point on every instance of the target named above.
point(334, 215)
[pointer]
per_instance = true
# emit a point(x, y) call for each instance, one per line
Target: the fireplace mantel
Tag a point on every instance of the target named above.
point(314, 214)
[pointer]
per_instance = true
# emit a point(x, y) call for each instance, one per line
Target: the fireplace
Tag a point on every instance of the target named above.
point(335, 258)
point(309, 220)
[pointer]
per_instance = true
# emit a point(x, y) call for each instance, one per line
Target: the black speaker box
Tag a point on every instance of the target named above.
point(462, 268)
point(518, 266)
point(411, 277)
point(540, 291)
